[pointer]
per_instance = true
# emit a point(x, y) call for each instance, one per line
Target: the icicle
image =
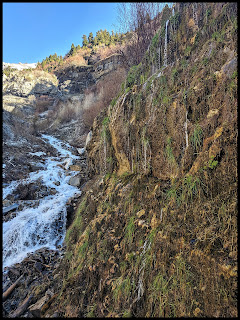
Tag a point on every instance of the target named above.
point(186, 131)
point(165, 47)
point(195, 15)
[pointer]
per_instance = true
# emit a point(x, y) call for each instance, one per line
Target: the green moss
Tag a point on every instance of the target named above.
point(169, 151)
point(133, 76)
point(77, 226)
point(155, 41)
point(130, 230)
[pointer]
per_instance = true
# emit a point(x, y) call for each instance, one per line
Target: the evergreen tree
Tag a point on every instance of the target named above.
point(85, 41)
point(99, 36)
point(90, 38)
point(73, 50)
point(95, 41)
point(55, 57)
point(43, 64)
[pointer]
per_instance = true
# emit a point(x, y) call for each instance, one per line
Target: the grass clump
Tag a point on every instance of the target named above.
point(197, 138)
point(77, 225)
point(129, 230)
point(169, 151)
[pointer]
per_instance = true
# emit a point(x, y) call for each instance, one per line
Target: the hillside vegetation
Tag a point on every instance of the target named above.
point(93, 49)
point(155, 231)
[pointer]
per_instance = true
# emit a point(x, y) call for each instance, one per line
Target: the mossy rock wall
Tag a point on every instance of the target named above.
point(155, 233)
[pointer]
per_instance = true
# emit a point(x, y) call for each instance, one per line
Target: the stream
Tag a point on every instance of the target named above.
point(42, 223)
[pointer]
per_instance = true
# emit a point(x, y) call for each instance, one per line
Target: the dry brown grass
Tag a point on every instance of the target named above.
point(78, 58)
point(43, 103)
point(104, 52)
point(101, 94)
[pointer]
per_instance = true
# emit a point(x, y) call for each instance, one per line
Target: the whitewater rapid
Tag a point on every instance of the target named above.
point(44, 225)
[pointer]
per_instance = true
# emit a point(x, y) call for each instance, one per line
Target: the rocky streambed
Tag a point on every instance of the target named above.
point(36, 212)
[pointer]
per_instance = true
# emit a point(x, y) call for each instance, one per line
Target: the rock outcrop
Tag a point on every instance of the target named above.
point(22, 87)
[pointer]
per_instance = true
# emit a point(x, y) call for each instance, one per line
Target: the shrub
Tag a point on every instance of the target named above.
point(7, 71)
point(131, 77)
point(102, 95)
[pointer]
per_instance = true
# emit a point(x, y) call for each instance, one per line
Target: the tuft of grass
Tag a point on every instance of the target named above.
point(169, 151)
point(129, 230)
point(122, 288)
point(190, 187)
point(197, 138)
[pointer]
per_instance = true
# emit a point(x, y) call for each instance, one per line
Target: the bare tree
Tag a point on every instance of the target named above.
point(140, 20)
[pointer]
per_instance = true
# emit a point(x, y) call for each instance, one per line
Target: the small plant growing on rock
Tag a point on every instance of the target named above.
point(212, 163)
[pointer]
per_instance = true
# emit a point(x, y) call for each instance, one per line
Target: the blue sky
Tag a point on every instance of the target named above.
point(33, 31)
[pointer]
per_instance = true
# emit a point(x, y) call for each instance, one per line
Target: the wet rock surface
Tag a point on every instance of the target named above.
point(37, 272)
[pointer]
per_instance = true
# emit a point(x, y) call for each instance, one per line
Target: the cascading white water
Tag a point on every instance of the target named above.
point(165, 45)
point(44, 225)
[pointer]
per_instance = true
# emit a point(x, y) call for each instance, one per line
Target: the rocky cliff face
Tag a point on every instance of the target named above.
point(75, 79)
point(155, 232)
point(22, 87)
point(35, 95)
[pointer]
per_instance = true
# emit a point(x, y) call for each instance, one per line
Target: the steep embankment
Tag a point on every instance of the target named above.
point(155, 232)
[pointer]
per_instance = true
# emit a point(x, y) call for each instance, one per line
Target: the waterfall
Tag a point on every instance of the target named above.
point(173, 11)
point(165, 47)
point(43, 225)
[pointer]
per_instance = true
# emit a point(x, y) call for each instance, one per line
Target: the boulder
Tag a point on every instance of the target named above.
point(75, 181)
point(75, 167)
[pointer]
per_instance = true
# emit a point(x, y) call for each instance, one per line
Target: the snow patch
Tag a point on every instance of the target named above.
point(19, 66)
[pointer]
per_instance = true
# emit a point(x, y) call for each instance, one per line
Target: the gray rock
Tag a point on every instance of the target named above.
point(88, 139)
point(229, 67)
point(75, 181)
